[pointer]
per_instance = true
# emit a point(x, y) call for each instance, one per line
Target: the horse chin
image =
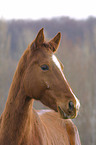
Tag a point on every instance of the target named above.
point(64, 115)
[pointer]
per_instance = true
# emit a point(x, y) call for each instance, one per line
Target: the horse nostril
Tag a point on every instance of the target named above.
point(71, 105)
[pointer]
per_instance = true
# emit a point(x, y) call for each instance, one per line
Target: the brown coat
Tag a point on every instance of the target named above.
point(39, 76)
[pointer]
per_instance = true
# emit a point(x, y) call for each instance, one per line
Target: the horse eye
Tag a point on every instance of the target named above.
point(44, 67)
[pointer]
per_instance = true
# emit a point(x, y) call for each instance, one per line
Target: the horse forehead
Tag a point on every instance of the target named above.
point(57, 63)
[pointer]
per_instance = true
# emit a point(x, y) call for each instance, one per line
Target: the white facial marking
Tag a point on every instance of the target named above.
point(55, 60)
point(57, 63)
point(77, 101)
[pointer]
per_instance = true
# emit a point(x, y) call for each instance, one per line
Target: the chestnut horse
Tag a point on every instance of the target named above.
point(39, 75)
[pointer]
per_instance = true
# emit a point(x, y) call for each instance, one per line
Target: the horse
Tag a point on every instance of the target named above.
point(39, 75)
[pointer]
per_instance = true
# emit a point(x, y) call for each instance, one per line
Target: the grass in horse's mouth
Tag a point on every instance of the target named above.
point(64, 115)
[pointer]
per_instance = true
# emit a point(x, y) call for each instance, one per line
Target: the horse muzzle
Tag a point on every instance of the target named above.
point(69, 113)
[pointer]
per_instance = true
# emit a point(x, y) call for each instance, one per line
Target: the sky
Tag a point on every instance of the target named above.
point(38, 9)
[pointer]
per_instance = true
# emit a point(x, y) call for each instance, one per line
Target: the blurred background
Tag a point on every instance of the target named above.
point(20, 22)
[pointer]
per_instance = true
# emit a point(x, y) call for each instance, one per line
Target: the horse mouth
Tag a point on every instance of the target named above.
point(65, 115)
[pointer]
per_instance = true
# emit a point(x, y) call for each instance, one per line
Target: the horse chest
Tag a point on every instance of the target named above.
point(50, 132)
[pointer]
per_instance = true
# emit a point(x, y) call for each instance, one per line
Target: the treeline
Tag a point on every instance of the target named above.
point(77, 52)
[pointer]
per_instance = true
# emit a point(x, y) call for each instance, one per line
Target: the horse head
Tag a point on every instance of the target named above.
point(44, 79)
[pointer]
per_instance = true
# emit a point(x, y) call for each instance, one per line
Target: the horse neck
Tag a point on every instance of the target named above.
point(18, 108)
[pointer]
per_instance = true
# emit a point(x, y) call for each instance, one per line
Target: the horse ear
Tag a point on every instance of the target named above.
point(55, 42)
point(40, 38)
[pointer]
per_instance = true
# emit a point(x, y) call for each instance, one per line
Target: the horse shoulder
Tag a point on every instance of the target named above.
point(72, 132)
